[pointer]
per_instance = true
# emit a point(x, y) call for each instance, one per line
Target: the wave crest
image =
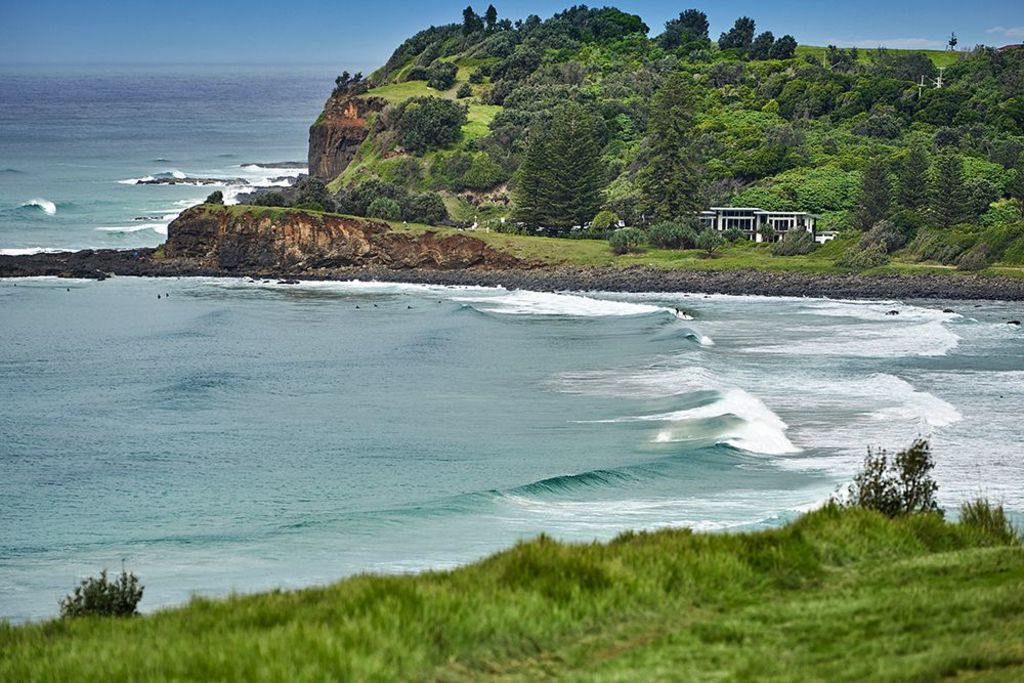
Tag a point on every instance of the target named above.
point(45, 205)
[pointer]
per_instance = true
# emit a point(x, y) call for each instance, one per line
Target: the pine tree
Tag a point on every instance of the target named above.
point(490, 18)
point(913, 179)
point(875, 202)
point(671, 181)
point(948, 192)
point(531, 179)
point(559, 182)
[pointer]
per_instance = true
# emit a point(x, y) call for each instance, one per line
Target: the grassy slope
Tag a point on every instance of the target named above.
point(837, 595)
point(742, 256)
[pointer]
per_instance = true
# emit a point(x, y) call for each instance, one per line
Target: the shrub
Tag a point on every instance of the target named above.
point(269, 199)
point(423, 123)
point(626, 240)
point(710, 241)
point(671, 235)
point(733, 235)
point(104, 598)
point(795, 243)
point(465, 90)
point(990, 520)
point(427, 208)
point(604, 221)
point(974, 260)
point(885, 233)
point(384, 208)
point(862, 259)
point(483, 173)
point(896, 486)
point(216, 197)
point(441, 75)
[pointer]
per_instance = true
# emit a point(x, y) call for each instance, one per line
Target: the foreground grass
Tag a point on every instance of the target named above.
point(836, 595)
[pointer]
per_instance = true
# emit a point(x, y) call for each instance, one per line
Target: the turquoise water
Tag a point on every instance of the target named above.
point(232, 435)
point(75, 139)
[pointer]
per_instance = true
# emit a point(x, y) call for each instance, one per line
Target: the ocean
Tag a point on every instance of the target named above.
point(220, 435)
point(75, 142)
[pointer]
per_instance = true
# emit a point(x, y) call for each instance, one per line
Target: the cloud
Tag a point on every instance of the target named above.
point(895, 43)
point(1008, 31)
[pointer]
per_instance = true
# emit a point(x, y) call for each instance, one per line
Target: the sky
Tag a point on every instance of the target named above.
point(361, 35)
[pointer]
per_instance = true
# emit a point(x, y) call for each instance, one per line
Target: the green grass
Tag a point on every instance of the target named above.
point(838, 595)
point(940, 58)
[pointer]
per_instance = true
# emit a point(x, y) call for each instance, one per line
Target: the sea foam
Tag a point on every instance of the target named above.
point(45, 205)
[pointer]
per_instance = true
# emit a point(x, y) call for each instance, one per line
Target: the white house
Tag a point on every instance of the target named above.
point(752, 221)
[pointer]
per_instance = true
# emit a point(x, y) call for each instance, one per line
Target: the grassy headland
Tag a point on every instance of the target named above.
point(839, 594)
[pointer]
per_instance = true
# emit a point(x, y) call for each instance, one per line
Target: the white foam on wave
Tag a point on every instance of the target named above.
point(757, 429)
point(47, 207)
point(652, 382)
point(523, 302)
point(868, 330)
point(159, 228)
point(29, 251)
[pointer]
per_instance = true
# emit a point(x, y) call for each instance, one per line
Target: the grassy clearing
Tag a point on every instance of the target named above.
point(940, 58)
point(837, 595)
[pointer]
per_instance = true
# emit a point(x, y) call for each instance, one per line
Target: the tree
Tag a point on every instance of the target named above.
point(784, 48)
point(709, 242)
point(387, 209)
point(490, 19)
point(428, 208)
point(1016, 188)
point(215, 197)
point(423, 123)
point(471, 21)
point(689, 30)
point(875, 200)
point(441, 75)
point(559, 182)
point(626, 240)
point(899, 486)
point(103, 597)
point(740, 36)
point(948, 191)
point(952, 43)
point(762, 46)
point(671, 181)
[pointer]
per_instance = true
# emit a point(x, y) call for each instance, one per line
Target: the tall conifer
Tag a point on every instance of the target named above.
point(949, 192)
point(875, 201)
point(671, 182)
point(913, 179)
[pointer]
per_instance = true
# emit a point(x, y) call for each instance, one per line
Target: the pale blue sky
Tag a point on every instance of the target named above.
point(362, 34)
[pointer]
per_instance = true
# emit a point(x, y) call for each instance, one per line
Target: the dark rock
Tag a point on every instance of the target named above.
point(893, 312)
point(1014, 322)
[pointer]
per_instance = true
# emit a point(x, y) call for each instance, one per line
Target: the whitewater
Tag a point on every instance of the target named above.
point(229, 435)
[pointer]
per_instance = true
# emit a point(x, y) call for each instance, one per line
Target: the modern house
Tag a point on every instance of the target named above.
point(753, 221)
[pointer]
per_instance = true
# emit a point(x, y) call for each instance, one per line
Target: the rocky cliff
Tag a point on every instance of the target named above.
point(251, 239)
point(337, 134)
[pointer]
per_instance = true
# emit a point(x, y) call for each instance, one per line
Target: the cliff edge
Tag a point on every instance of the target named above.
point(251, 238)
point(335, 137)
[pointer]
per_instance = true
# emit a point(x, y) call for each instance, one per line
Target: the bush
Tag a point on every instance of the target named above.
point(795, 242)
point(423, 123)
point(464, 91)
point(216, 197)
point(626, 240)
point(441, 75)
point(384, 208)
point(670, 235)
point(974, 260)
point(104, 598)
point(427, 208)
point(733, 235)
point(901, 485)
point(887, 234)
point(710, 241)
point(604, 221)
point(990, 520)
point(862, 259)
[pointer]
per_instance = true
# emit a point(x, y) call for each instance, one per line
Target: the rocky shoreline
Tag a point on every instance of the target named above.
point(100, 264)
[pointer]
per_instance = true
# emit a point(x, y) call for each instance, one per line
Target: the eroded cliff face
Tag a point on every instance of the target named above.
point(337, 134)
point(248, 239)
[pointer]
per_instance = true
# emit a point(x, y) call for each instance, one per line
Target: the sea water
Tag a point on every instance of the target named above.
point(75, 142)
point(221, 435)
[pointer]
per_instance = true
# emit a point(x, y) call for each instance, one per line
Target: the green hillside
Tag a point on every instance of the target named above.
point(838, 595)
point(646, 126)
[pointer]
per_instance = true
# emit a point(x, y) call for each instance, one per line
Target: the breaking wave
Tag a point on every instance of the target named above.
point(522, 302)
point(44, 205)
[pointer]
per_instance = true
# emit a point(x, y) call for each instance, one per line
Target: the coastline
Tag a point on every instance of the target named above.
point(101, 264)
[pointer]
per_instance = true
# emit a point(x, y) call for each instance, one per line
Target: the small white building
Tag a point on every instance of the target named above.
point(752, 221)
